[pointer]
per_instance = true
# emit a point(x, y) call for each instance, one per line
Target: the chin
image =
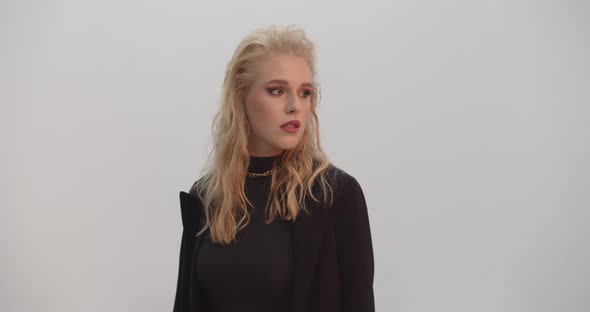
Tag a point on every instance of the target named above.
point(287, 145)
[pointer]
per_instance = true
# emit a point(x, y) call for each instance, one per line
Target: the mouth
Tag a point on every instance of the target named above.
point(292, 124)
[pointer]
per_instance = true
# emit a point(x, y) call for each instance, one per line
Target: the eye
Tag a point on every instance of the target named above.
point(271, 90)
point(307, 93)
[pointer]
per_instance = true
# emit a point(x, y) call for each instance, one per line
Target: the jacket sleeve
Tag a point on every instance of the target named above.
point(187, 288)
point(354, 247)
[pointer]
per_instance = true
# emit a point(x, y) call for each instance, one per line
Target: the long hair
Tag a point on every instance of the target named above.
point(221, 187)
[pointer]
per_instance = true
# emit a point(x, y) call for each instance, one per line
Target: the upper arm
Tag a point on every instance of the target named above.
point(187, 243)
point(354, 246)
point(186, 298)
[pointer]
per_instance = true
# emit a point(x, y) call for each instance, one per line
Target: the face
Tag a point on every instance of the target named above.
point(280, 94)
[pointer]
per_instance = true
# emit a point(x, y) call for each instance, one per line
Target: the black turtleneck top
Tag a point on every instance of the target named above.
point(253, 273)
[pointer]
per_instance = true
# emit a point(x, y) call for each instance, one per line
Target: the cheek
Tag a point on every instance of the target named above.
point(263, 111)
point(307, 112)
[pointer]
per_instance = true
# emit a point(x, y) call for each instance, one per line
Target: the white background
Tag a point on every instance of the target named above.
point(465, 122)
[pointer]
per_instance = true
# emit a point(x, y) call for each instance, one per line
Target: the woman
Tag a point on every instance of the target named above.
point(272, 224)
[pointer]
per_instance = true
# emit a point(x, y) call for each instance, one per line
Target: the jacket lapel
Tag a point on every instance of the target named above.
point(307, 236)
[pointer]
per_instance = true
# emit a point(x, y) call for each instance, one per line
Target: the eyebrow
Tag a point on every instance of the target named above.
point(285, 82)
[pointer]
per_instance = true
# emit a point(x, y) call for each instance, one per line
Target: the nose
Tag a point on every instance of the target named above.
point(294, 104)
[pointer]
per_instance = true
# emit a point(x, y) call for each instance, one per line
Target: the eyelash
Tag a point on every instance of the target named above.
point(270, 90)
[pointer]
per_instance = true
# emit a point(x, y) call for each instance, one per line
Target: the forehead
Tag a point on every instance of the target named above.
point(293, 69)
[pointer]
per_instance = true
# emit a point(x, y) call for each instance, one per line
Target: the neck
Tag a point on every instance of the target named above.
point(259, 164)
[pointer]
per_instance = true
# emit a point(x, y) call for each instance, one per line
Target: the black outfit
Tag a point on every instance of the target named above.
point(253, 273)
point(323, 261)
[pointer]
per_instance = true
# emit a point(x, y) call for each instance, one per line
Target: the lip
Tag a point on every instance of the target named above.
point(291, 122)
point(294, 129)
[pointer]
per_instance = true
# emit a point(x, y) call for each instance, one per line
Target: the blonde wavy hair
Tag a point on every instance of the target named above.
point(221, 187)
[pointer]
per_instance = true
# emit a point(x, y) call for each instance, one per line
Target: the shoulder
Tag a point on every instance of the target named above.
point(349, 198)
point(342, 181)
point(349, 212)
point(197, 188)
point(192, 207)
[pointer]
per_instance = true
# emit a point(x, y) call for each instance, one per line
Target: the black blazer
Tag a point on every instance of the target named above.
point(333, 253)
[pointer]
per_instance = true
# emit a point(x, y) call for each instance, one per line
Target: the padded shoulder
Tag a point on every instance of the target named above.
point(191, 210)
point(339, 177)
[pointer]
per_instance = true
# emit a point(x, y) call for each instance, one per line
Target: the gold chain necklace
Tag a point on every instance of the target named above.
point(263, 174)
